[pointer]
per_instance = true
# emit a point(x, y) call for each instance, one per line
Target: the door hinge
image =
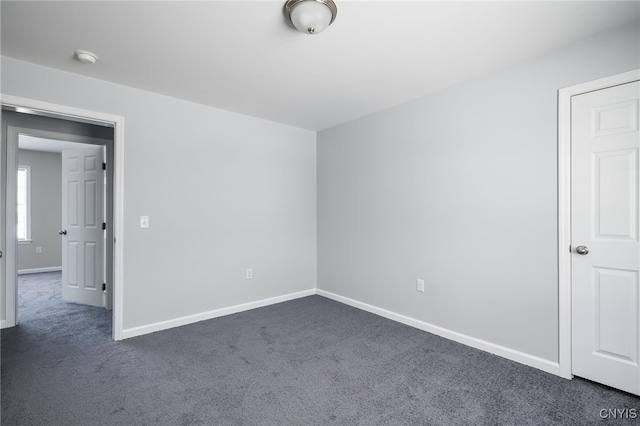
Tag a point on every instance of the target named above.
point(104, 286)
point(104, 226)
point(104, 166)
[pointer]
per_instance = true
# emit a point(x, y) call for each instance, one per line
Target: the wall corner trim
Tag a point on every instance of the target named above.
point(483, 345)
point(203, 316)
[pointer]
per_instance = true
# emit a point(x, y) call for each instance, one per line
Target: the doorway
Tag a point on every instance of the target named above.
point(62, 211)
point(57, 122)
point(599, 221)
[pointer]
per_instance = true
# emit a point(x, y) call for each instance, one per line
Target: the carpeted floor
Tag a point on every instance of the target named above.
point(311, 361)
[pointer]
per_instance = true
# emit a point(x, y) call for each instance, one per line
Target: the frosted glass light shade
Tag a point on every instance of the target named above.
point(311, 16)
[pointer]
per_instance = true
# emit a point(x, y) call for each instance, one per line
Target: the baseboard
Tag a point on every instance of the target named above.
point(190, 319)
point(502, 351)
point(513, 355)
point(39, 270)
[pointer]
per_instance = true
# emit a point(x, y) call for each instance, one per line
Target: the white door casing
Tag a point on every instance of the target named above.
point(118, 122)
point(3, 227)
point(82, 218)
point(605, 281)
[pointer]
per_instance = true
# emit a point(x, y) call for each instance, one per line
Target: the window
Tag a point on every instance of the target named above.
point(24, 203)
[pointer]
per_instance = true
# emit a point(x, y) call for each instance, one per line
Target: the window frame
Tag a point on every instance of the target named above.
point(27, 239)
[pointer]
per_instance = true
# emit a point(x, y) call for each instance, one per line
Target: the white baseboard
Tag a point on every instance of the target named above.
point(39, 270)
point(504, 352)
point(513, 355)
point(190, 319)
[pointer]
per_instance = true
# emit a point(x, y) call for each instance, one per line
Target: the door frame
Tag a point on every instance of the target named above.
point(13, 137)
point(564, 207)
point(85, 116)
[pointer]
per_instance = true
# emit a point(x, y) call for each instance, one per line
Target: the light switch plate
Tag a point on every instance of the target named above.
point(144, 221)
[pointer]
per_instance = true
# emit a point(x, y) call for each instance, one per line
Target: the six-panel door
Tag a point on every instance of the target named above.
point(605, 293)
point(82, 218)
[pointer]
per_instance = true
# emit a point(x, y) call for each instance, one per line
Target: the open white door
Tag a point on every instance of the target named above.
point(605, 232)
point(82, 219)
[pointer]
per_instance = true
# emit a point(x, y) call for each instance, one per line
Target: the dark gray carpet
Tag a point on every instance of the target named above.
point(310, 361)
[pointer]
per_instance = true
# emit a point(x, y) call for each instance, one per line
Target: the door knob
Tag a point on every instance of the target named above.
point(62, 232)
point(582, 250)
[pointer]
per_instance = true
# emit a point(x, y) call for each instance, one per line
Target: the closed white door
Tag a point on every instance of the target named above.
point(82, 218)
point(605, 248)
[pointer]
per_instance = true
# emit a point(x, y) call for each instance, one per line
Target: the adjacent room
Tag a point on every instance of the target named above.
point(43, 267)
point(320, 212)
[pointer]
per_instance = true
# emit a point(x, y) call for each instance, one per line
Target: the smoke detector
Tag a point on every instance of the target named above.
point(86, 57)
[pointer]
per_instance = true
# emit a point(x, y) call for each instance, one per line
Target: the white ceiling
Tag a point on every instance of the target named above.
point(242, 56)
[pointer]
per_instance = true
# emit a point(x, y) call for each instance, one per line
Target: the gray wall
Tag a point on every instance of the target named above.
point(459, 188)
point(46, 210)
point(223, 192)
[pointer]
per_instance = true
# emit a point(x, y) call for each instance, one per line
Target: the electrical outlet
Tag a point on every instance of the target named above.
point(144, 221)
point(249, 273)
point(419, 284)
point(38, 250)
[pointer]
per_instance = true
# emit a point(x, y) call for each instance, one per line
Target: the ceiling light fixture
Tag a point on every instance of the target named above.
point(311, 16)
point(86, 57)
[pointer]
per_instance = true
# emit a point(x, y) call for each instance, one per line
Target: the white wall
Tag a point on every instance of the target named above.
point(46, 210)
point(459, 188)
point(223, 192)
